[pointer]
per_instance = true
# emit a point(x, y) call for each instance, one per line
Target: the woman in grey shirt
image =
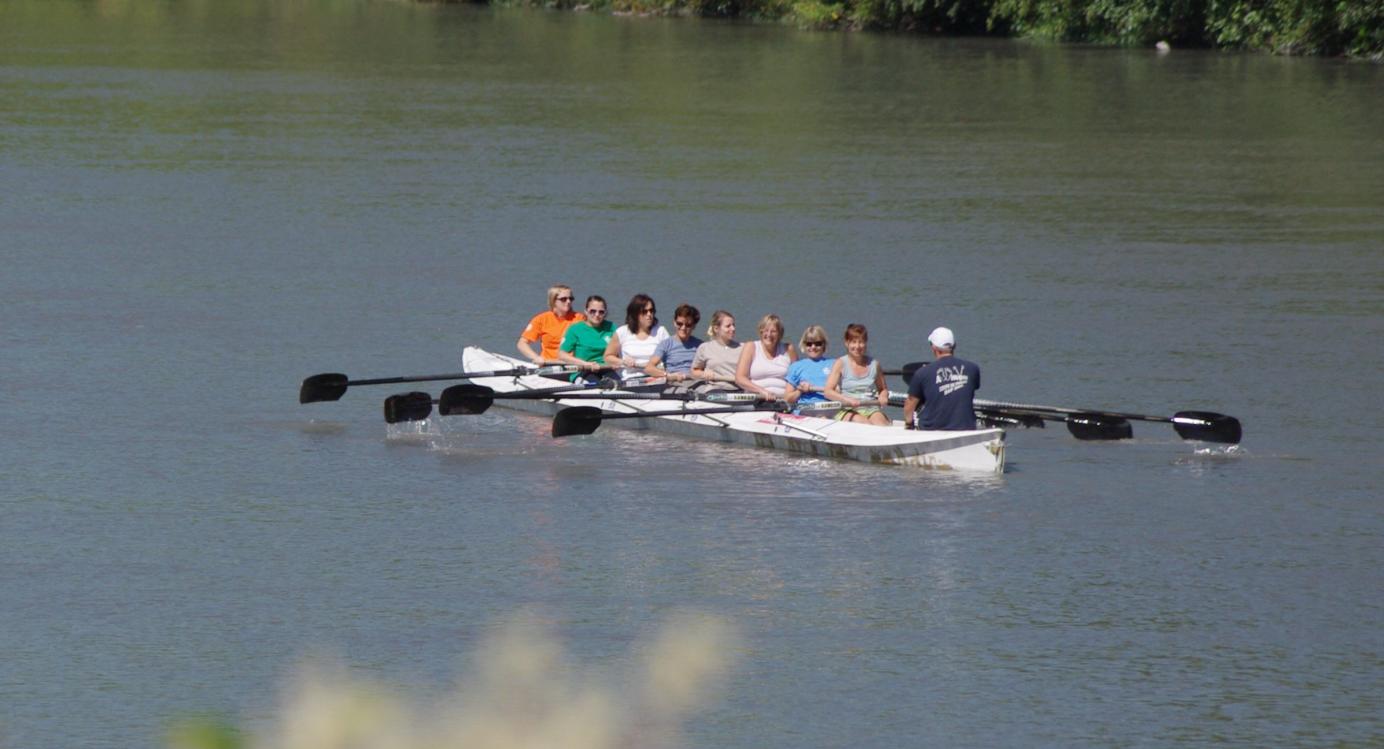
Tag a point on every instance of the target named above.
point(716, 359)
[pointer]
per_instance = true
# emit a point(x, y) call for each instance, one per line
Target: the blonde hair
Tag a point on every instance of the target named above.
point(767, 320)
point(716, 318)
point(554, 290)
point(815, 332)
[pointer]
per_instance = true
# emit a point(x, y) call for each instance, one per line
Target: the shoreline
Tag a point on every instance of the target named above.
point(1280, 28)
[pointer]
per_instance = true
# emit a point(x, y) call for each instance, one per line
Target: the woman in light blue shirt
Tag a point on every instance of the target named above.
point(807, 377)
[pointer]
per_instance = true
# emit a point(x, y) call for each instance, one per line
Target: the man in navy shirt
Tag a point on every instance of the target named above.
point(946, 388)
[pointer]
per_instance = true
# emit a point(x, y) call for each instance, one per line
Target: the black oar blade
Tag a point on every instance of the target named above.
point(996, 417)
point(911, 369)
point(1093, 427)
point(329, 386)
point(1207, 426)
point(576, 420)
point(466, 400)
point(407, 407)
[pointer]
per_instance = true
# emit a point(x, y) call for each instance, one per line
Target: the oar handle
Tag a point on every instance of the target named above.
point(769, 407)
point(556, 369)
point(416, 378)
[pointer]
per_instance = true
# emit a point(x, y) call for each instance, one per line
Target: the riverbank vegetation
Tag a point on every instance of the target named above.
point(1299, 27)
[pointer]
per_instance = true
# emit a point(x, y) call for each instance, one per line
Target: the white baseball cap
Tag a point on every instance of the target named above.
point(942, 338)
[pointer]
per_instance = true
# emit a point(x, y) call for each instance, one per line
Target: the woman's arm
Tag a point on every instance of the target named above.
point(880, 387)
point(567, 357)
point(612, 352)
point(655, 369)
point(742, 371)
point(833, 388)
point(528, 352)
point(791, 394)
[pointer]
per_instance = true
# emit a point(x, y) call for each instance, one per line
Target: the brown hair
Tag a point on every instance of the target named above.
point(856, 332)
point(688, 311)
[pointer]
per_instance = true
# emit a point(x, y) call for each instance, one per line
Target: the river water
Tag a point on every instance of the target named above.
point(204, 202)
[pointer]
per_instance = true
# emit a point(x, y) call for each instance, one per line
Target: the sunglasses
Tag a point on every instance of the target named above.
point(595, 312)
point(814, 343)
point(565, 298)
point(684, 324)
point(647, 311)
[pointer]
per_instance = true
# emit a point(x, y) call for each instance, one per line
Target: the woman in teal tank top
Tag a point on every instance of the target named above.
point(857, 381)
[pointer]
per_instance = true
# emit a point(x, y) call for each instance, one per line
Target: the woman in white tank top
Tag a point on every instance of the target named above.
point(764, 363)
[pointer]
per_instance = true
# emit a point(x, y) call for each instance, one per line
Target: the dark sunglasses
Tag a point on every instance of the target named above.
point(565, 298)
point(814, 343)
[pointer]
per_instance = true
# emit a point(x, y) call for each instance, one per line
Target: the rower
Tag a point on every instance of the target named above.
point(673, 357)
point(945, 388)
point(807, 377)
point(549, 327)
point(585, 342)
point(634, 342)
point(857, 380)
point(764, 362)
point(717, 358)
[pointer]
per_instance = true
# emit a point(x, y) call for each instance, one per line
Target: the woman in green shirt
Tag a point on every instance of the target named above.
point(584, 343)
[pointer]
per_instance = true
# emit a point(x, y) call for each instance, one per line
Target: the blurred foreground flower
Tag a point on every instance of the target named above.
point(523, 695)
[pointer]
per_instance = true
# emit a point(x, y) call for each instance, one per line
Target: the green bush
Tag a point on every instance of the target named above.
point(1304, 27)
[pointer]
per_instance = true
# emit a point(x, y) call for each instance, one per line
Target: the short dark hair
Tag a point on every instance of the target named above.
point(594, 298)
point(687, 310)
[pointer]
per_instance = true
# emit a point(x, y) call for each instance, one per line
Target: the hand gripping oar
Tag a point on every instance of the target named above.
point(586, 419)
point(1206, 426)
point(331, 386)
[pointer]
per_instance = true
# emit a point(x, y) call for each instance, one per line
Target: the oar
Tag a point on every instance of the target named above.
point(907, 370)
point(1010, 418)
point(418, 406)
point(1082, 425)
point(586, 419)
point(331, 386)
point(407, 407)
point(1206, 426)
point(477, 399)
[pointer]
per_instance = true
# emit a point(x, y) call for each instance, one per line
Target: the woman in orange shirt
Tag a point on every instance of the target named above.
point(549, 326)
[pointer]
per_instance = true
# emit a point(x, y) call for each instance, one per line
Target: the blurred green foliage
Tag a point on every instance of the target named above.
point(1305, 27)
point(205, 733)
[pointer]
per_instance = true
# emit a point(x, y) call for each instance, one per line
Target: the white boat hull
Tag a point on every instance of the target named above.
point(976, 450)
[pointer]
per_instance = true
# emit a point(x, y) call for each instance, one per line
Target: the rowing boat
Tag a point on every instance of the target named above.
point(975, 450)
